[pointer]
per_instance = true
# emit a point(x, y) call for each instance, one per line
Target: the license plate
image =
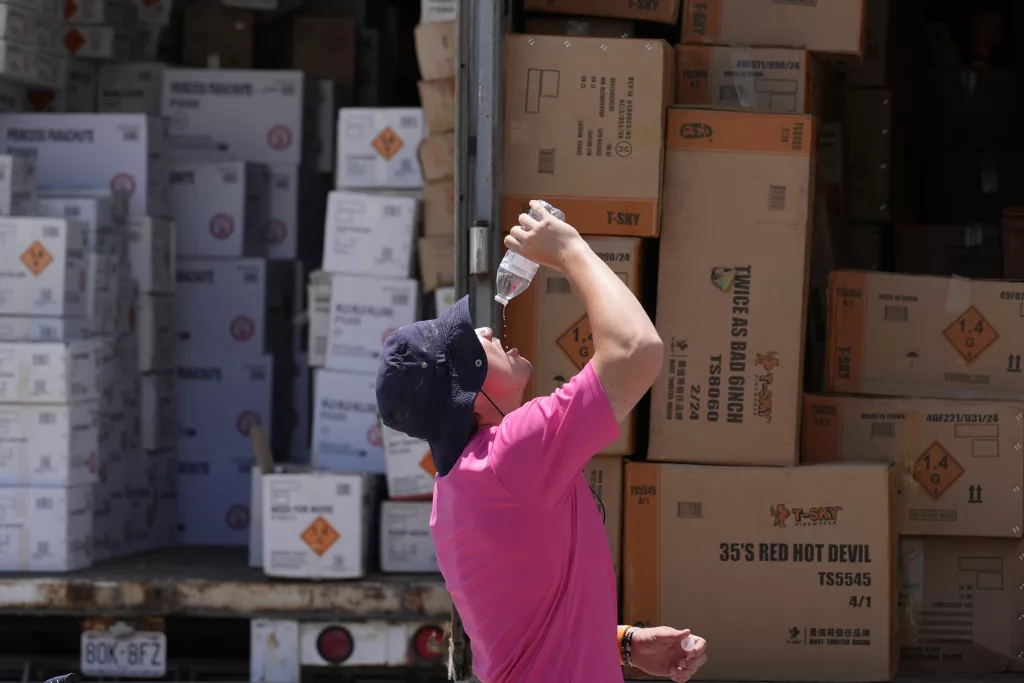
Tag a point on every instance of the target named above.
point(141, 654)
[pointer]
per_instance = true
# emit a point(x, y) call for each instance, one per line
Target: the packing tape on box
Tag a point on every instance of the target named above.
point(958, 298)
point(911, 589)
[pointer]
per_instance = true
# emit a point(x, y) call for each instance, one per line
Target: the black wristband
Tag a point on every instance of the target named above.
point(627, 645)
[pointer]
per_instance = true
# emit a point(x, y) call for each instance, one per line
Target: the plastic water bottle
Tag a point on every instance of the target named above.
point(515, 273)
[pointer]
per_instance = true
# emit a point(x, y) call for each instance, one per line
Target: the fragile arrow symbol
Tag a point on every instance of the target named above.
point(974, 494)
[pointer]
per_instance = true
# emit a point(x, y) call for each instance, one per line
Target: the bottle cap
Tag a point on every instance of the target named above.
point(501, 300)
point(689, 643)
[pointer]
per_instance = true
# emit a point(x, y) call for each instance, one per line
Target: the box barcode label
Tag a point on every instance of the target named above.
point(51, 231)
point(344, 489)
point(558, 285)
point(42, 548)
point(546, 161)
point(44, 503)
point(72, 211)
point(688, 510)
point(408, 121)
point(400, 299)
point(776, 197)
point(40, 359)
point(883, 430)
point(897, 314)
point(386, 254)
point(230, 178)
point(250, 278)
point(405, 166)
point(392, 210)
point(131, 135)
point(47, 418)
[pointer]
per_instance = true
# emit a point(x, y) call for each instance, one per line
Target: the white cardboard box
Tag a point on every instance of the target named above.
point(159, 417)
point(97, 213)
point(406, 546)
point(219, 401)
point(24, 328)
point(96, 42)
point(444, 298)
point(122, 151)
point(220, 208)
point(364, 313)
point(50, 372)
point(18, 195)
point(132, 88)
point(156, 323)
point(282, 236)
point(370, 234)
point(221, 306)
point(252, 115)
point(438, 11)
point(45, 529)
point(346, 431)
point(377, 148)
point(318, 306)
point(408, 465)
point(317, 525)
point(51, 445)
point(214, 500)
point(43, 267)
point(152, 254)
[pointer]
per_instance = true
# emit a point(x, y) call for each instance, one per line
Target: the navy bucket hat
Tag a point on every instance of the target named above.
point(429, 375)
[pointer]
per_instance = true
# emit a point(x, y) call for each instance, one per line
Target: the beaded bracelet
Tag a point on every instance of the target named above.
point(627, 645)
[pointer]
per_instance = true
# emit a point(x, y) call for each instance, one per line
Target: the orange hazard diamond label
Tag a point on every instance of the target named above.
point(578, 342)
point(936, 470)
point(74, 40)
point(387, 143)
point(970, 334)
point(427, 463)
point(36, 258)
point(320, 536)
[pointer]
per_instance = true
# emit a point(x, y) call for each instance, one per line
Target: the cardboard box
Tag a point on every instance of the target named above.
point(444, 298)
point(317, 525)
point(130, 88)
point(871, 68)
point(75, 93)
point(439, 208)
point(370, 234)
point(435, 50)
point(663, 11)
point(49, 445)
point(408, 464)
point(437, 262)
point(605, 477)
point(437, 157)
point(43, 267)
point(913, 335)
point(95, 213)
point(974, 251)
point(325, 47)
point(48, 529)
point(869, 156)
point(222, 305)
point(18, 186)
point(377, 148)
point(756, 78)
point(802, 544)
point(283, 234)
point(958, 461)
point(346, 432)
point(251, 115)
point(406, 546)
point(438, 101)
point(584, 27)
point(156, 325)
point(158, 408)
point(220, 208)
point(96, 42)
point(732, 287)
point(595, 151)
point(550, 327)
point(218, 37)
point(960, 605)
point(213, 496)
point(125, 151)
point(364, 313)
point(219, 401)
point(835, 27)
point(318, 293)
point(152, 254)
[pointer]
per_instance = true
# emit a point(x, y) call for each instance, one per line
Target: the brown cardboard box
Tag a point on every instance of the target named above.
point(732, 287)
point(964, 250)
point(958, 463)
point(663, 11)
point(605, 476)
point(439, 208)
point(437, 262)
point(578, 26)
point(435, 50)
point(549, 325)
point(438, 101)
point(868, 171)
point(914, 335)
point(961, 605)
point(437, 157)
point(834, 26)
point(584, 129)
point(325, 48)
point(759, 79)
point(805, 555)
point(220, 32)
point(871, 68)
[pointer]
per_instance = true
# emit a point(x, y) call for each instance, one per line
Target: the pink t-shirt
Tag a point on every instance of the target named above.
point(521, 545)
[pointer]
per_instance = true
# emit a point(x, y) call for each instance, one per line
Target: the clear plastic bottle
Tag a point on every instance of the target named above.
point(515, 273)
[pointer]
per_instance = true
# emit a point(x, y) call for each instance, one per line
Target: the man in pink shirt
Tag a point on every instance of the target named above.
point(519, 539)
